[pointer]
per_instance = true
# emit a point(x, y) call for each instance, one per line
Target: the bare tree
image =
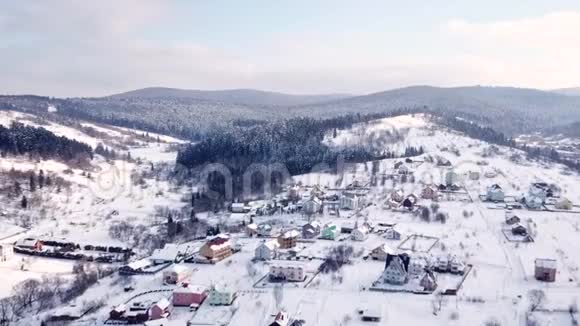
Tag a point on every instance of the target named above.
point(536, 298)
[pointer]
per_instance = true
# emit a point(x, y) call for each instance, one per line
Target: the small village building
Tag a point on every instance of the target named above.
point(238, 208)
point(417, 266)
point(451, 178)
point(347, 227)
point(403, 169)
point(490, 174)
point(189, 295)
point(217, 248)
point(161, 309)
point(288, 239)
point(428, 281)
point(221, 294)
point(519, 229)
point(495, 193)
point(312, 206)
point(534, 200)
point(430, 191)
point(281, 319)
point(410, 202)
point(332, 206)
point(442, 264)
point(564, 203)
point(311, 230)
point(264, 230)
point(290, 272)
point(545, 270)
point(29, 244)
point(353, 199)
point(118, 312)
point(396, 269)
point(6, 252)
point(398, 195)
point(360, 233)
point(168, 254)
point(456, 265)
point(393, 233)
point(372, 315)
point(330, 231)
point(136, 267)
point(176, 274)
point(267, 250)
point(252, 230)
point(512, 220)
point(381, 252)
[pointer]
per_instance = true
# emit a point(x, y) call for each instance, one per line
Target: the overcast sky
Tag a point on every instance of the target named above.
point(92, 48)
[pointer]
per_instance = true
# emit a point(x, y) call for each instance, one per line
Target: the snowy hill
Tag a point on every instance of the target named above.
point(233, 96)
point(572, 91)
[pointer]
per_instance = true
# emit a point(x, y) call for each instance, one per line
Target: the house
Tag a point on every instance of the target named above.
point(403, 169)
point(519, 229)
point(514, 219)
point(176, 274)
point(372, 315)
point(287, 272)
point(189, 295)
point(311, 230)
point(456, 265)
point(353, 199)
point(396, 269)
point(381, 252)
point(252, 230)
point(29, 244)
point(332, 206)
point(392, 234)
point(442, 264)
point(288, 239)
point(238, 208)
point(360, 233)
point(6, 252)
point(221, 294)
point(417, 266)
point(534, 200)
point(442, 161)
point(136, 267)
point(428, 281)
point(398, 195)
point(430, 191)
point(312, 206)
point(398, 164)
point(161, 309)
point(347, 227)
point(267, 250)
point(564, 203)
point(264, 230)
point(216, 248)
point(330, 231)
point(545, 270)
point(117, 312)
point(281, 319)
point(495, 193)
point(451, 178)
point(168, 254)
point(410, 202)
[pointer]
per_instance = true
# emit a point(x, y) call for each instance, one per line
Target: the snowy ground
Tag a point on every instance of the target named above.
point(497, 286)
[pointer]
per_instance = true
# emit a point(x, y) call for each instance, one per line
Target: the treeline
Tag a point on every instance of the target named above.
point(20, 139)
point(296, 143)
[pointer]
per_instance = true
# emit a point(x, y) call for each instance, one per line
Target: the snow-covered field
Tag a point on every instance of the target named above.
point(497, 287)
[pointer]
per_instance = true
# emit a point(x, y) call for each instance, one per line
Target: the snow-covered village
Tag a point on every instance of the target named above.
point(321, 163)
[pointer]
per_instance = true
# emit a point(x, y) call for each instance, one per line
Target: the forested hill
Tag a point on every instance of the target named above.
point(19, 139)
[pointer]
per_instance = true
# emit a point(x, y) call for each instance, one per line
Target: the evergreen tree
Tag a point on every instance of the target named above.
point(41, 179)
point(32, 182)
point(24, 202)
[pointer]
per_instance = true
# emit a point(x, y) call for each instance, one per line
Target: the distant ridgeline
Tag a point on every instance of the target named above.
point(20, 139)
point(295, 143)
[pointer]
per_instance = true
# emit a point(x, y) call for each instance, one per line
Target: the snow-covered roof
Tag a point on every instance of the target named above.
point(177, 268)
point(163, 303)
point(252, 226)
point(272, 244)
point(222, 287)
point(238, 205)
point(385, 248)
point(139, 264)
point(546, 263)
point(27, 242)
point(190, 288)
point(290, 234)
point(168, 253)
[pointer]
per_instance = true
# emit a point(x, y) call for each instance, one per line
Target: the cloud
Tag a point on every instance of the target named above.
point(80, 48)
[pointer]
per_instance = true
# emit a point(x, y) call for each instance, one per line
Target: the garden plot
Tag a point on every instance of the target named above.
point(419, 243)
point(210, 315)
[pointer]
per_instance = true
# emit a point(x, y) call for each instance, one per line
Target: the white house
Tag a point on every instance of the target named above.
point(221, 294)
point(392, 234)
point(360, 233)
point(291, 272)
point(396, 269)
point(495, 193)
point(264, 230)
point(381, 252)
point(417, 265)
point(267, 250)
point(6, 252)
point(176, 274)
point(312, 206)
